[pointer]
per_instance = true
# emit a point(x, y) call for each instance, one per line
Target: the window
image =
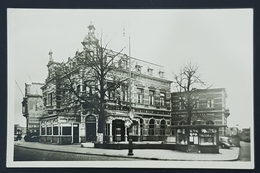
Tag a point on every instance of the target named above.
point(124, 93)
point(140, 95)
point(196, 104)
point(161, 74)
point(162, 127)
point(50, 99)
point(49, 131)
point(123, 63)
point(151, 97)
point(111, 92)
point(151, 127)
point(162, 99)
point(43, 131)
point(150, 71)
point(66, 130)
point(210, 103)
point(181, 105)
point(135, 128)
point(138, 68)
point(55, 130)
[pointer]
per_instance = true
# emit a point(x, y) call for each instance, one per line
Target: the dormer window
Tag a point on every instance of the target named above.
point(161, 74)
point(138, 68)
point(123, 63)
point(150, 71)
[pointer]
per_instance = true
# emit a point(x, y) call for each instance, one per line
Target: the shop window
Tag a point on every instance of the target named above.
point(208, 137)
point(66, 130)
point(49, 131)
point(43, 131)
point(151, 127)
point(55, 131)
point(135, 128)
point(181, 137)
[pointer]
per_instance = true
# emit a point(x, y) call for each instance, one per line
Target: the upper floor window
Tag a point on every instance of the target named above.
point(151, 97)
point(138, 68)
point(196, 104)
point(161, 74)
point(124, 93)
point(162, 99)
point(150, 71)
point(140, 95)
point(50, 99)
point(210, 103)
point(123, 63)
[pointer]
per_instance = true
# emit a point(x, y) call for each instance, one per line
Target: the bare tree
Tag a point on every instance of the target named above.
point(186, 83)
point(90, 77)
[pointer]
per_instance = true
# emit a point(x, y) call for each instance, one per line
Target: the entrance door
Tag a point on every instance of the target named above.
point(118, 130)
point(76, 133)
point(90, 128)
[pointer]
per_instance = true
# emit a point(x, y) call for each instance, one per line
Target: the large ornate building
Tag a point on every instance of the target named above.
point(209, 109)
point(67, 121)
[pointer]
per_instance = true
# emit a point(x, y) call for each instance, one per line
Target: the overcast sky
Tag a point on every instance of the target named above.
point(219, 41)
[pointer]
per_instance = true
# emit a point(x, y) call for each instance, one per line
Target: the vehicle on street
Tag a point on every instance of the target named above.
point(225, 142)
point(31, 137)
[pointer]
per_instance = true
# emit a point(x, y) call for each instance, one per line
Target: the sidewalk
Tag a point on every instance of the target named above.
point(148, 154)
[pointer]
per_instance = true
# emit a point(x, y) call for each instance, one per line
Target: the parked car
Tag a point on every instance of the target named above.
point(31, 137)
point(225, 142)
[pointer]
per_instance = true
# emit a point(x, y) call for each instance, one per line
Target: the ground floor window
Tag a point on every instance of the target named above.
point(49, 131)
point(151, 127)
point(135, 128)
point(162, 127)
point(66, 130)
point(55, 131)
point(43, 131)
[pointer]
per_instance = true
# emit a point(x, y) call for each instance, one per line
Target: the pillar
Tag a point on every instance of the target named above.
point(72, 133)
point(110, 133)
point(126, 134)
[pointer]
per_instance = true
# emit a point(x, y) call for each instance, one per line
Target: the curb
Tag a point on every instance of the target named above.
point(122, 156)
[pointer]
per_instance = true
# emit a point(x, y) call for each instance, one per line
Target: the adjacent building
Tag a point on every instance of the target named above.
point(209, 109)
point(67, 121)
point(32, 106)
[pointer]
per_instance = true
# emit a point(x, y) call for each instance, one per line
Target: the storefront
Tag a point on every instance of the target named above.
point(197, 138)
point(60, 130)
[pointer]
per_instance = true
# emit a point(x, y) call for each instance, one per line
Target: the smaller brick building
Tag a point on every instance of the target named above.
point(210, 109)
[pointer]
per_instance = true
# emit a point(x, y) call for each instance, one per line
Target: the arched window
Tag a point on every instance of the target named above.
point(210, 123)
point(151, 127)
point(162, 127)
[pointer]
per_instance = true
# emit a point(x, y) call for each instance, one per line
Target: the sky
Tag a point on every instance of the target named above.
point(220, 41)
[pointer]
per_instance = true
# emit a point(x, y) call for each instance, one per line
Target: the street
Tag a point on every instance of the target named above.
point(25, 154)
point(245, 151)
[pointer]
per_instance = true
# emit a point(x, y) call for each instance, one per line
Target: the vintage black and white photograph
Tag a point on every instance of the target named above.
point(154, 88)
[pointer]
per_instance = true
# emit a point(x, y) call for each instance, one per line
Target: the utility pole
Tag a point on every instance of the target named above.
point(131, 113)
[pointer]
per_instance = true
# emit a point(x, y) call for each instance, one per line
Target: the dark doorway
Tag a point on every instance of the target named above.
point(90, 128)
point(118, 130)
point(75, 133)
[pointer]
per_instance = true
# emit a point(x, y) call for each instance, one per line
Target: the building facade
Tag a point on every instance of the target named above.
point(146, 91)
point(209, 109)
point(32, 106)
